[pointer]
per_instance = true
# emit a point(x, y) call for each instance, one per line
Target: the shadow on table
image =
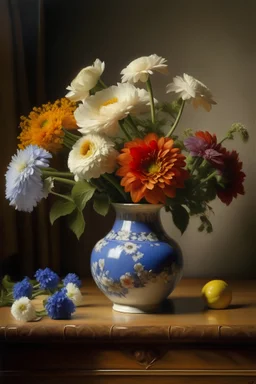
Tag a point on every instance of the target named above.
point(183, 305)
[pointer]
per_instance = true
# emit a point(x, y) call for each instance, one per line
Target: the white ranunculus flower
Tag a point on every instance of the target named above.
point(141, 68)
point(74, 294)
point(101, 112)
point(188, 88)
point(92, 156)
point(23, 310)
point(86, 79)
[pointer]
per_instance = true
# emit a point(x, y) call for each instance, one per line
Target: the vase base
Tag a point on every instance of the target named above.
point(137, 309)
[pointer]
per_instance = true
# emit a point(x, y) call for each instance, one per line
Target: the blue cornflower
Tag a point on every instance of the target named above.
point(72, 278)
point(24, 185)
point(47, 278)
point(59, 306)
point(22, 289)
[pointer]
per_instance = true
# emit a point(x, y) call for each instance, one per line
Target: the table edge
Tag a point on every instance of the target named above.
point(131, 334)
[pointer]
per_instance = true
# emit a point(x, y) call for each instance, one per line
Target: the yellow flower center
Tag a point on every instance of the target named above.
point(110, 101)
point(21, 167)
point(22, 307)
point(86, 148)
point(154, 168)
point(43, 124)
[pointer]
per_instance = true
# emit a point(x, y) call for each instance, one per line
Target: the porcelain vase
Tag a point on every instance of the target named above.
point(136, 265)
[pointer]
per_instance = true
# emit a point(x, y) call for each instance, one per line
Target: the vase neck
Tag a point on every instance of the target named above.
point(146, 213)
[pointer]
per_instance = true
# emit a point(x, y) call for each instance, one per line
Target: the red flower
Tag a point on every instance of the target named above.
point(211, 140)
point(233, 175)
point(151, 168)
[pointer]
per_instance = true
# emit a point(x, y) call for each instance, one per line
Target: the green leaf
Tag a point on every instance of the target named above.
point(101, 203)
point(7, 283)
point(82, 192)
point(76, 223)
point(180, 217)
point(61, 208)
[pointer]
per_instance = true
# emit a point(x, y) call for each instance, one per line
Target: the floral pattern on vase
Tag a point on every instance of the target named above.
point(136, 265)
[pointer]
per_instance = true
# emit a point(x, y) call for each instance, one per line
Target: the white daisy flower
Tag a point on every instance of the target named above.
point(141, 68)
point(137, 256)
point(92, 156)
point(188, 88)
point(101, 112)
point(101, 264)
point(74, 294)
point(130, 248)
point(126, 280)
point(86, 79)
point(24, 185)
point(23, 310)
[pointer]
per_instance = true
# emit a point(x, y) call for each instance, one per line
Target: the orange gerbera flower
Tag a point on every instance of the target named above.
point(151, 168)
point(43, 126)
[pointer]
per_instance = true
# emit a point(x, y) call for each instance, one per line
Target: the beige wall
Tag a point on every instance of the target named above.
point(215, 41)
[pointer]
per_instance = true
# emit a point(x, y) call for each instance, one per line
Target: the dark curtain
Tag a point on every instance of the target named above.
point(27, 240)
point(27, 49)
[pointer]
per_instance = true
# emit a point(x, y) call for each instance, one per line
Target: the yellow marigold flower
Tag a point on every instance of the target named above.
point(43, 126)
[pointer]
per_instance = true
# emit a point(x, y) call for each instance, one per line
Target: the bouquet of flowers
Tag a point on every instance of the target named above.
point(122, 146)
point(60, 297)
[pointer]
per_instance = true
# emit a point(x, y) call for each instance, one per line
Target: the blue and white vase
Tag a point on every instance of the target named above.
point(136, 265)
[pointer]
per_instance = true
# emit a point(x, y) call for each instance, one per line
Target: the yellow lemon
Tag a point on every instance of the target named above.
point(217, 294)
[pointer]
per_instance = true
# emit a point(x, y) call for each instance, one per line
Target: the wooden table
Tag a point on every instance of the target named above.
point(185, 344)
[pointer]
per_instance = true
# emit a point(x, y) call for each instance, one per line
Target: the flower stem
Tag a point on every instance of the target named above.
point(96, 185)
point(67, 145)
point(68, 142)
point(152, 105)
point(213, 174)
point(102, 83)
point(62, 196)
point(38, 293)
point(112, 180)
point(177, 119)
point(224, 139)
point(127, 135)
point(65, 181)
point(196, 163)
point(131, 123)
point(41, 313)
point(71, 135)
point(48, 173)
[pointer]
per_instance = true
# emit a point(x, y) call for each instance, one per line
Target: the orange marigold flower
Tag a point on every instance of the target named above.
point(151, 168)
point(43, 126)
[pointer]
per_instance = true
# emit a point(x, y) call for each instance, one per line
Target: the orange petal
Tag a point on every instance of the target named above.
point(170, 191)
point(150, 137)
point(155, 196)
